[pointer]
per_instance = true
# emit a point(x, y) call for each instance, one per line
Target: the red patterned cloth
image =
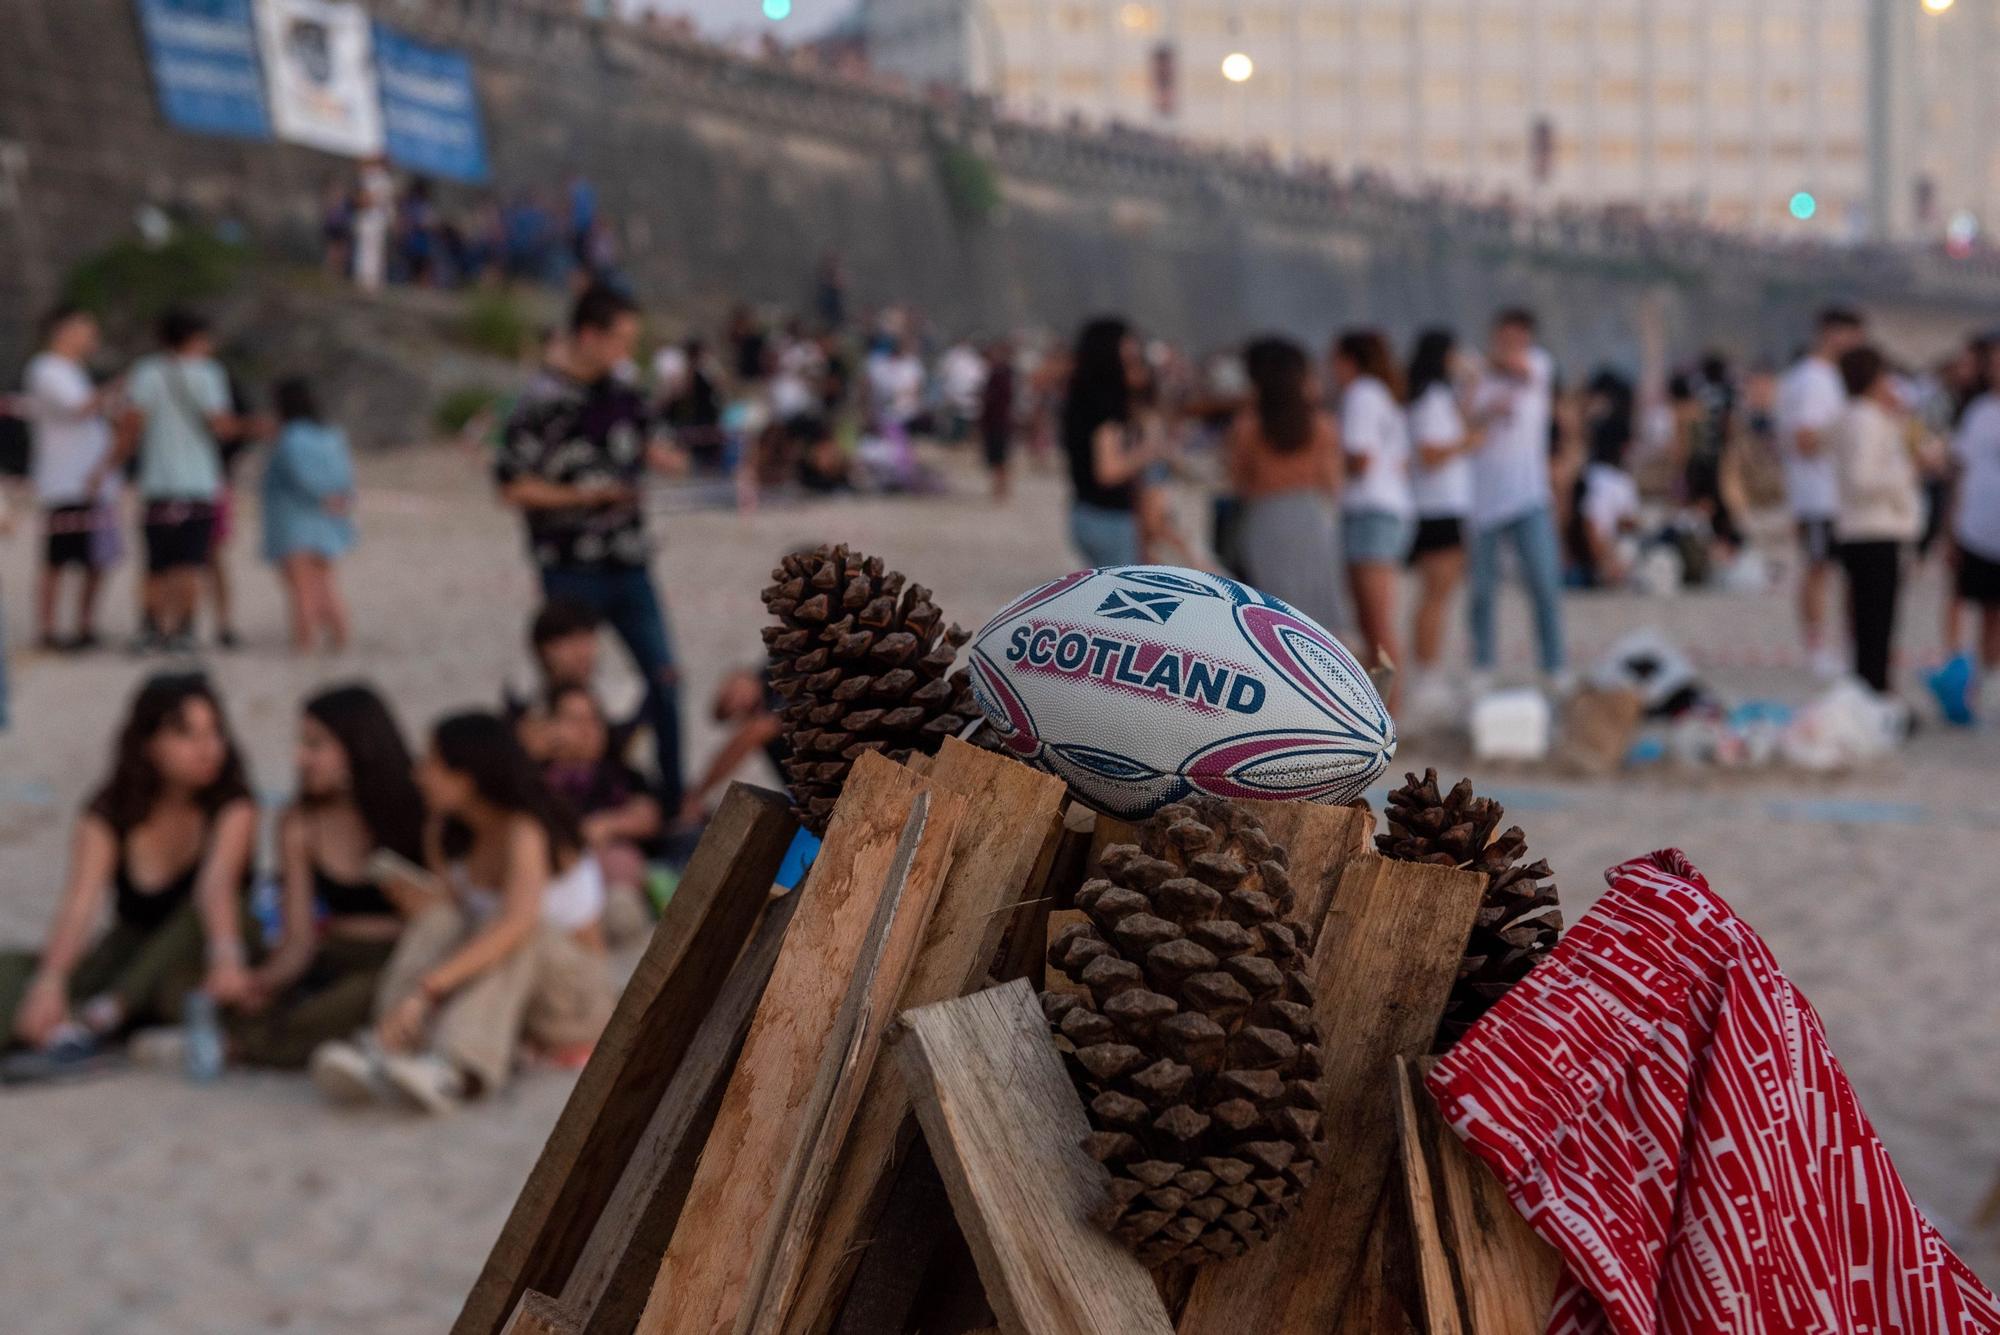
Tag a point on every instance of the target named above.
point(1664, 1108)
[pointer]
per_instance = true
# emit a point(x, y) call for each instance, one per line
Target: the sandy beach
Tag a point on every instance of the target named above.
point(140, 1203)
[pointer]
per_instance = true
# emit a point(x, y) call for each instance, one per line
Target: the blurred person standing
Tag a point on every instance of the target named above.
point(1100, 436)
point(374, 214)
point(572, 461)
point(180, 400)
point(1880, 506)
point(1810, 400)
point(1378, 510)
point(1512, 501)
point(1975, 536)
point(997, 402)
point(962, 375)
point(1441, 486)
point(75, 483)
point(1285, 467)
point(308, 507)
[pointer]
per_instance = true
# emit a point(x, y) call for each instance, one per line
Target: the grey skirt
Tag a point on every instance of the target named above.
point(1291, 550)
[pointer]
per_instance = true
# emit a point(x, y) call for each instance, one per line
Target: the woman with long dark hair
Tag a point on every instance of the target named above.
point(1441, 485)
point(168, 838)
point(357, 818)
point(1107, 453)
point(1285, 468)
point(507, 953)
point(1378, 512)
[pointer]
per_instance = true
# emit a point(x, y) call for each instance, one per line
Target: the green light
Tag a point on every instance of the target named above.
point(777, 10)
point(1804, 205)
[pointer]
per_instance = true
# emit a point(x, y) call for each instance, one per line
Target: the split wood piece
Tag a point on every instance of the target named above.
point(1052, 886)
point(608, 1286)
point(1319, 841)
point(893, 1268)
point(1379, 1301)
point(1382, 970)
point(1012, 816)
point(1480, 1268)
point(539, 1314)
point(862, 913)
point(711, 915)
point(1004, 1124)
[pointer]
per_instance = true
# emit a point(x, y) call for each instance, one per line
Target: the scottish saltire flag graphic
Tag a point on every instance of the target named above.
point(1133, 605)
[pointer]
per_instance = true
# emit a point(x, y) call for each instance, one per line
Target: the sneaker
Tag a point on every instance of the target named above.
point(1951, 685)
point(347, 1074)
point(181, 642)
point(1559, 685)
point(75, 1054)
point(226, 639)
point(83, 642)
point(430, 1082)
point(162, 1048)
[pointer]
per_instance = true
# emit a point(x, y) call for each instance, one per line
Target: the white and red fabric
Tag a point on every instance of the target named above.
point(1664, 1109)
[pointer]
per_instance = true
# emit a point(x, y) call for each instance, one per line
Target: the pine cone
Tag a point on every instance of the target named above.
point(1519, 919)
point(864, 664)
point(1195, 1049)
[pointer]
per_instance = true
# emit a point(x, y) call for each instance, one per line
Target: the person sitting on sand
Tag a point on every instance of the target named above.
point(349, 849)
point(565, 646)
point(615, 809)
point(506, 956)
point(169, 837)
point(746, 703)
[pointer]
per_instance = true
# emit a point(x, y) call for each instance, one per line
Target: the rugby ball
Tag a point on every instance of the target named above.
point(1140, 685)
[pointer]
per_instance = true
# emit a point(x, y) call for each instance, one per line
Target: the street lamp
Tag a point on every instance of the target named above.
point(1237, 67)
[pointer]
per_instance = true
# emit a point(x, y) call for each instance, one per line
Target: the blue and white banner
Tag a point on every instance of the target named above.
point(430, 110)
point(203, 55)
point(319, 72)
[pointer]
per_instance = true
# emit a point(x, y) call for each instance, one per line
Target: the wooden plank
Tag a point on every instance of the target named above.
point(1318, 842)
point(539, 1314)
point(1006, 1129)
point(1013, 815)
point(712, 913)
point(1483, 1270)
point(864, 910)
point(607, 1288)
point(890, 1272)
point(1383, 968)
point(1375, 1305)
point(1051, 886)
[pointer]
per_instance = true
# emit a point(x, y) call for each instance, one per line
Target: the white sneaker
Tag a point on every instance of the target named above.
point(1559, 685)
point(1431, 698)
point(162, 1048)
point(431, 1083)
point(346, 1074)
point(1827, 664)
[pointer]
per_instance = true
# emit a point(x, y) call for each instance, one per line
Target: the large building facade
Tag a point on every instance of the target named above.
point(1743, 113)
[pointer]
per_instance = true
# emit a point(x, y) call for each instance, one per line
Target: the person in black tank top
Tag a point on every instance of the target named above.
point(171, 836)
point(1106, 459)
point(339, 921)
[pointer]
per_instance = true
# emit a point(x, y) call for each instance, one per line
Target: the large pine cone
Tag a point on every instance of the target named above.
point(1520, 918)
point(1195, 1049)
point(864, 664)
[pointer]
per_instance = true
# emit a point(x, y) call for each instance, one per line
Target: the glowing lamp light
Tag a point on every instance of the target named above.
point(777, 10)
point(1237, 67)
point(1937, 6)
point(1135, 16)
point(1804, 205)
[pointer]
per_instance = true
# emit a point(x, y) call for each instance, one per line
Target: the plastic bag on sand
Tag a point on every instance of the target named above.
point(1847, 726)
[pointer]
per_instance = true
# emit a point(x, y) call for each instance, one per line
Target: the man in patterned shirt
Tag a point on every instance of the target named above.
point(571, 460)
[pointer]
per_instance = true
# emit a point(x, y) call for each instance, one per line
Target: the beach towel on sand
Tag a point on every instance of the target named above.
point(1664, 1109)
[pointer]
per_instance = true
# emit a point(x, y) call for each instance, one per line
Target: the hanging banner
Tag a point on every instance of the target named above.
point(430, 110)
point(319, 70)
point(203, 54)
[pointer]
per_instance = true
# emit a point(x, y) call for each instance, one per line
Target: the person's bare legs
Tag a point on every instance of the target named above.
point(47, 585)
point(88, 587)
point(332, 605)
point(1439, 574)
point(299, 595)
point(1813, 593)
point(1373, 584)
point(219, 594)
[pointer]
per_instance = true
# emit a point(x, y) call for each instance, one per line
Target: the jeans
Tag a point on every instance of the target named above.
point(1533, 536)
point(1874, 577)
point(1105, 537)
point(624, 596)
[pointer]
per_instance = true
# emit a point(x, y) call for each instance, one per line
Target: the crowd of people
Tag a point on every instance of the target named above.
point(426, 921)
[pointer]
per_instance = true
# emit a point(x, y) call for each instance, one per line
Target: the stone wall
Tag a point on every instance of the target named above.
point(731, 177)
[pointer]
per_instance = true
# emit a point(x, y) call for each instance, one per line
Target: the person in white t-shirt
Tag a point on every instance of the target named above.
point(896, 385)
point(1441, 483)
point(72, 468)
point(1975, 526)
point(1811, 398)
point(1377, 509)
point(1512, 502)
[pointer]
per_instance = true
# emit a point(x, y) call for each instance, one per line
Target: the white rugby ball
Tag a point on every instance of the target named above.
point(1139, 685)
